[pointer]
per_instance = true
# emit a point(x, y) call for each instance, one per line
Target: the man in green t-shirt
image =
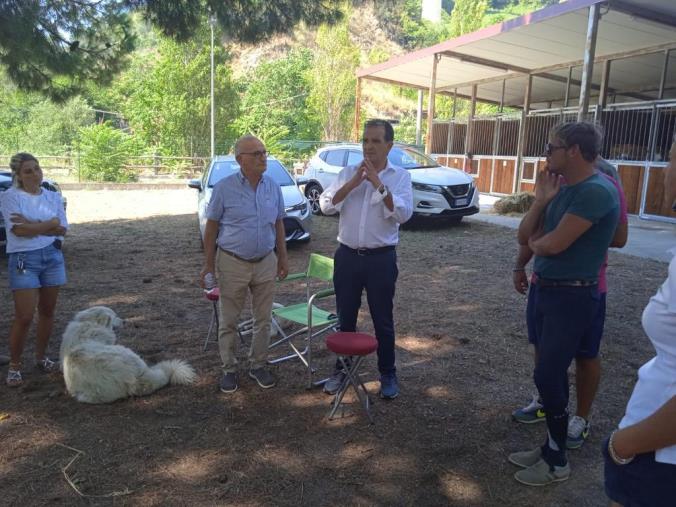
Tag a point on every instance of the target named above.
point(569, 229)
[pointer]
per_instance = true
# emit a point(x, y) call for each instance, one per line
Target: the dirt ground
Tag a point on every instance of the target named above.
point(464, 365)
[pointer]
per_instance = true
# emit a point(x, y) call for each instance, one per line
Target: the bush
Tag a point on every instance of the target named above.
point(104, 151)
point(516, 203)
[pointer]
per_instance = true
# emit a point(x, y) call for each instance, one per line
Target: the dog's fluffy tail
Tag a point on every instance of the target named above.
point(177, 371)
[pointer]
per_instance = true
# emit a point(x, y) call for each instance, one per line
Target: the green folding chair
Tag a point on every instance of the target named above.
point(313, 320)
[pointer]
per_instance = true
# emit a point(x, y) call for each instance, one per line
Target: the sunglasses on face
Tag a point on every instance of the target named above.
point(258, 153)
point(551, 148)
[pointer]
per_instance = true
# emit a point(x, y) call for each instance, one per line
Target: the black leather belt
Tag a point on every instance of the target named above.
point(368, 251)
point(252, 261)
point(544, 282)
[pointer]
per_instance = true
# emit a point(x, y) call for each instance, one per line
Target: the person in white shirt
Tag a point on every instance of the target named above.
point(373, 197)
point(35, 223)
point(640, 465)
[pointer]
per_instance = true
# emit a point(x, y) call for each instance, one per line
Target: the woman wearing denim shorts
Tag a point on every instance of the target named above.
point(35, 222)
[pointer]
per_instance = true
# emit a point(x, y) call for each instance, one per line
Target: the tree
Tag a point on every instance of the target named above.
point(276, 96)
point(57, 47)
point(467, 16)
point(333, 81)
point(104, 151)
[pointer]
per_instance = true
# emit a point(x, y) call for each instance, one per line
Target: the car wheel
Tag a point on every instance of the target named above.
point(312, 192)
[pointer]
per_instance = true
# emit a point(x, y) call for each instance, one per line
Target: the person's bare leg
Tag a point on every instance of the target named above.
point(46, 306)
point(587, 377)
point(24, 307)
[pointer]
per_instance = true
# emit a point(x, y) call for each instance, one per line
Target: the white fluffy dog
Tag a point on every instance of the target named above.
point(98, 371)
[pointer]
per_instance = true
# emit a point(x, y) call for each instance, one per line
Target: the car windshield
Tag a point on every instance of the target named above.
point(409, 158)
point(275, 170)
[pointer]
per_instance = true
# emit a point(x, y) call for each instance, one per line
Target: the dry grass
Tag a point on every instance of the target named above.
point(463, 362)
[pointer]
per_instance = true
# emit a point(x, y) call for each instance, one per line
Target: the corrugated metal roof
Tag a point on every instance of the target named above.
point(545, 42)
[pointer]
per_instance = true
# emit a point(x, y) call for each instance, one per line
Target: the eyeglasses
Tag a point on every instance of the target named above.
point(551, 148)
point(257, 153)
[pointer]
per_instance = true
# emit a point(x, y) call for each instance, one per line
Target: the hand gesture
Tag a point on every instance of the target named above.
point(372, 174)
point(358, 177)
point(520, 281)
point(547, 185)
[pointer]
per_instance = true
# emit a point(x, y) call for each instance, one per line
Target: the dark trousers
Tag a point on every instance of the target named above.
point(559, 316)
point(352, 273)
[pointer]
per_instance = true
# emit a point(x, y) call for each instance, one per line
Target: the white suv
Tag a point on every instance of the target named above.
point(438, 191)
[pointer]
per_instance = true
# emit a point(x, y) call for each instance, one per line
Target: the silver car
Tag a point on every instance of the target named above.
point(438, 191)
point(298, 218)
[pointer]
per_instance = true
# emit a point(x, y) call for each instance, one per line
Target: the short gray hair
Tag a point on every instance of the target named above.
point(246, 137)
point(15, 165)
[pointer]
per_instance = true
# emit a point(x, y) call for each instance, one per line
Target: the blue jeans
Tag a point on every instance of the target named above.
point(352, 273)
point(560, 318)
point(36, 268)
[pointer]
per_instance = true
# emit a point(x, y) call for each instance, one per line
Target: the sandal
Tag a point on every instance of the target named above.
point(46, 365)
point(14, 378)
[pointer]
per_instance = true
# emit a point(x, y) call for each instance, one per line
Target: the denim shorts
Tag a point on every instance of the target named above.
point(591, 340)
point(36, 268)
point(642, 483)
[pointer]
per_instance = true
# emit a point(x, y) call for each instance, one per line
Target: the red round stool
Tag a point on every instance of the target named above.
point(357, 346)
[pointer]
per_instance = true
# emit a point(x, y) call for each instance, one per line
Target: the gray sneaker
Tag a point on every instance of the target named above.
point(228, 383)
point(264, 378)
point(541, 474)
point(334, 382)
point(525, 459)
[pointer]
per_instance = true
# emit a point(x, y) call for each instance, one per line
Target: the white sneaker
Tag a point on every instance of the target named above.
point(578, 432)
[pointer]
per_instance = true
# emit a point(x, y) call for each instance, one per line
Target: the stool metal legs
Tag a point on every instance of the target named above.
point(353, 379)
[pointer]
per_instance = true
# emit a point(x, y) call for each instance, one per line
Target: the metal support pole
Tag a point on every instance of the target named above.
point(663, 78)
point(430, 103)
point(470, 121)
point(212, 21)
point(568, 79)
point(357, 111)
point(522, 133)
point(418, 119)
point(588, 65)
point(502, 96)
point(603, 92)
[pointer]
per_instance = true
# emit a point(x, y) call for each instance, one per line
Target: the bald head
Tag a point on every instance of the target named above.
point(244, 141)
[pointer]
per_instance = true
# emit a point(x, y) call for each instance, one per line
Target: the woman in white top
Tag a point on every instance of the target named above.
point(35, 222)
point(641, 455)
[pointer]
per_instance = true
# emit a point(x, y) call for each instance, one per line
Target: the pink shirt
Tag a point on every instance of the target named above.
point(603, 284)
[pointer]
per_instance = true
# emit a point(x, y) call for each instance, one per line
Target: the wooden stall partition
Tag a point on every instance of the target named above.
point(655, 203)
point(454, 162)
point(527, 187)
point(503, 177)
point(439, 138)
point(483, 181)
point(632, 184)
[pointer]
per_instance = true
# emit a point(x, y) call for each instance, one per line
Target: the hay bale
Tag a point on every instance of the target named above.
point(515, 203)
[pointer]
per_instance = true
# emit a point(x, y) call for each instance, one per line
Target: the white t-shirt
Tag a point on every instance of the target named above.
point(657, 378)
point(41, 207)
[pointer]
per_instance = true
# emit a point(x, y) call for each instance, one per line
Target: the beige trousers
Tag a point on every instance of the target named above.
point(235, 279)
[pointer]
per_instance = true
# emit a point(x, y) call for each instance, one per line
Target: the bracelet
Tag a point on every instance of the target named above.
point(613, 454)
point(516, 270)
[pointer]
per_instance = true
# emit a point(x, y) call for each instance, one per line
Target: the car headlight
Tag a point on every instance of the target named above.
point(302, 207)
point(424, 187)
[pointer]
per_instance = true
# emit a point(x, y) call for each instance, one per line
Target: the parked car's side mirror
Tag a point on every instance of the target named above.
point(197, 184)
point(302, 180)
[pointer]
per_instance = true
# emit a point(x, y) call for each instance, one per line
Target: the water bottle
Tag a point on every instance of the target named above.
point(209, 281)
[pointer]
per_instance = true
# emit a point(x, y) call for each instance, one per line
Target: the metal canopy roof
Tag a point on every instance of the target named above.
point(546, 43)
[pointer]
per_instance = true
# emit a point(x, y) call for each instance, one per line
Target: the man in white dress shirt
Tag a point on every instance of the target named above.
point(373, 197)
